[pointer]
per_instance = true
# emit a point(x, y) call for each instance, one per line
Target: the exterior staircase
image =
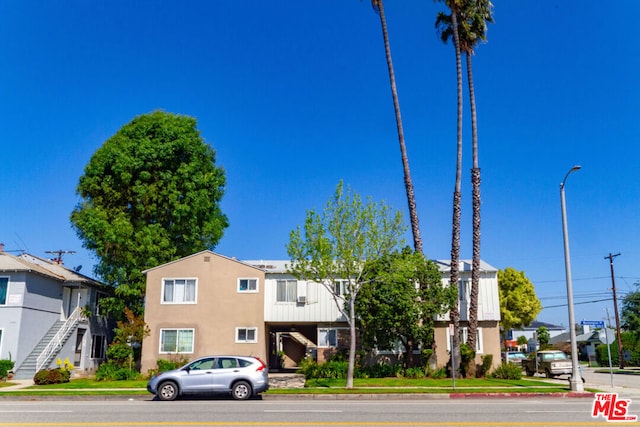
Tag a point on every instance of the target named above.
point(48, 347)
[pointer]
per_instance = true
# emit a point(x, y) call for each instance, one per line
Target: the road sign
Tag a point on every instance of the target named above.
point(594, 323)
point(607, 336)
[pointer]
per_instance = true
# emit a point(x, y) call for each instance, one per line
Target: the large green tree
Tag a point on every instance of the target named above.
point(399, 300)
point(519, 304)
point(378, 7)
point(630, 320)
point(335, 244)
point(149, 195)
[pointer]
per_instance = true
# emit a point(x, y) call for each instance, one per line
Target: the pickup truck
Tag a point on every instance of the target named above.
point(551, 363)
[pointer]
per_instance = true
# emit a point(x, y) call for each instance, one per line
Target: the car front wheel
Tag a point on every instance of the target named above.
point(167, 391)
point(241, 390)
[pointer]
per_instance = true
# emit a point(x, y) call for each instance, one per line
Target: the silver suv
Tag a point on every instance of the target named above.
point(242, 376)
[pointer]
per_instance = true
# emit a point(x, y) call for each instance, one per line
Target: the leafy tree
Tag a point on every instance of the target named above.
point(630, 320)
point(543, 337)
point(149, 195)
point(630, 315)
point(335, 245)
point(519, 304)
point(378, 7)
point(401, 296)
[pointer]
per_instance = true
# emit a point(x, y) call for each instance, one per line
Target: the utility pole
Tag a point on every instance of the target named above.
point(59, 253)
point(610, 257)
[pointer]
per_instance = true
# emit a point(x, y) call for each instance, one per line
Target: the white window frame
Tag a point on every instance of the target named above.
point(6, 295)
point(174, 279)
point(291, 296)
point(328, 330)
point(249, 290)
point(340, 287)
point(246, 330)
point(463, 339)
point(193, 338)
point(464, 290)
point(98, 345)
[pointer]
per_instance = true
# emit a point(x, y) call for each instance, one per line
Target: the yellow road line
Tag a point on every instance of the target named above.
point(323, 423)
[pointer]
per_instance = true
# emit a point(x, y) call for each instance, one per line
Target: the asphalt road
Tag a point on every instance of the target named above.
point(438, 412)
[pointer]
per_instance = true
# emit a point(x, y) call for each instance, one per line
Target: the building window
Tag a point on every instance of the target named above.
point(179, 291)
point(4, 287)
point(464, 333)
point(98, 346)
point(464, 291)
point(176, 340)
point(246, 335)
point(327, 337)
point(248, 285)
point(286, 290)
point(340, 287)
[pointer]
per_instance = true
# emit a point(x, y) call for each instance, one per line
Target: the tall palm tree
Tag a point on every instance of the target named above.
point(448, 28)
point(467, 24)
point(378, 7)
point(476, 14)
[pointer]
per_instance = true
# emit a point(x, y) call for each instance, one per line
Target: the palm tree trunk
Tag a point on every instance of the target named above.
point(408, 183)
point(454, 314)
point(475, 181)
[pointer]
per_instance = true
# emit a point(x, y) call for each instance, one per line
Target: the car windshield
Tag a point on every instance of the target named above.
point(517, 356)
point(555, 356)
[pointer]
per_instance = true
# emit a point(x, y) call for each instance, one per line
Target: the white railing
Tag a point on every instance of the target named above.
point(58, 340)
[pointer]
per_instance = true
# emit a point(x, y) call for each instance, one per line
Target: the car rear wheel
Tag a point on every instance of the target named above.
point(529, 372)
point(241, 390)
point(167, 391)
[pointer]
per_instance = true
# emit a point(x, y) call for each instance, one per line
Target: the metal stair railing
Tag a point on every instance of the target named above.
point(59, 338)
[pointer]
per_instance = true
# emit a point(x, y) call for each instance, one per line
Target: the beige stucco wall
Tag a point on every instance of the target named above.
point(218, 311)
point(490, 342)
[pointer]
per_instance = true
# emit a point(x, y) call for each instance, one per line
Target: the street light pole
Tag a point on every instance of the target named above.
point(576, 380)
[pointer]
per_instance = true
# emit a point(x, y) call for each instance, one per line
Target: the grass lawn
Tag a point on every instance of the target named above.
point(88, 386)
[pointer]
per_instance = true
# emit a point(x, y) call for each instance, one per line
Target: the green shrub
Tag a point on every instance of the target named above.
point(602, 357)
point(110, 371)
point(52, 376)
point(467, 356)
point(119, 353)
point(507, 371)
point(487, 361)
point(5, 366)
point(382, 370)
point(425, 356)
point(165, 365)
point(437, 373)
point(414, 373)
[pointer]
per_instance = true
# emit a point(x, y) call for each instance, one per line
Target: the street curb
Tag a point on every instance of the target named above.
point(520, 395)
point(324, 397)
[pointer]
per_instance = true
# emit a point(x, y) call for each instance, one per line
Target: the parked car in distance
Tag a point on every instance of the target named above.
point(548, 362)
point(240, 376)
point(514, 357)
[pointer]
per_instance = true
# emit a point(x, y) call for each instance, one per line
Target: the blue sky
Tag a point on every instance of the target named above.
point(294, 96)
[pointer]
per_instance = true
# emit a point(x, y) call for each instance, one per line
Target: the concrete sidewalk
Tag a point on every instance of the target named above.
point(626, 385)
